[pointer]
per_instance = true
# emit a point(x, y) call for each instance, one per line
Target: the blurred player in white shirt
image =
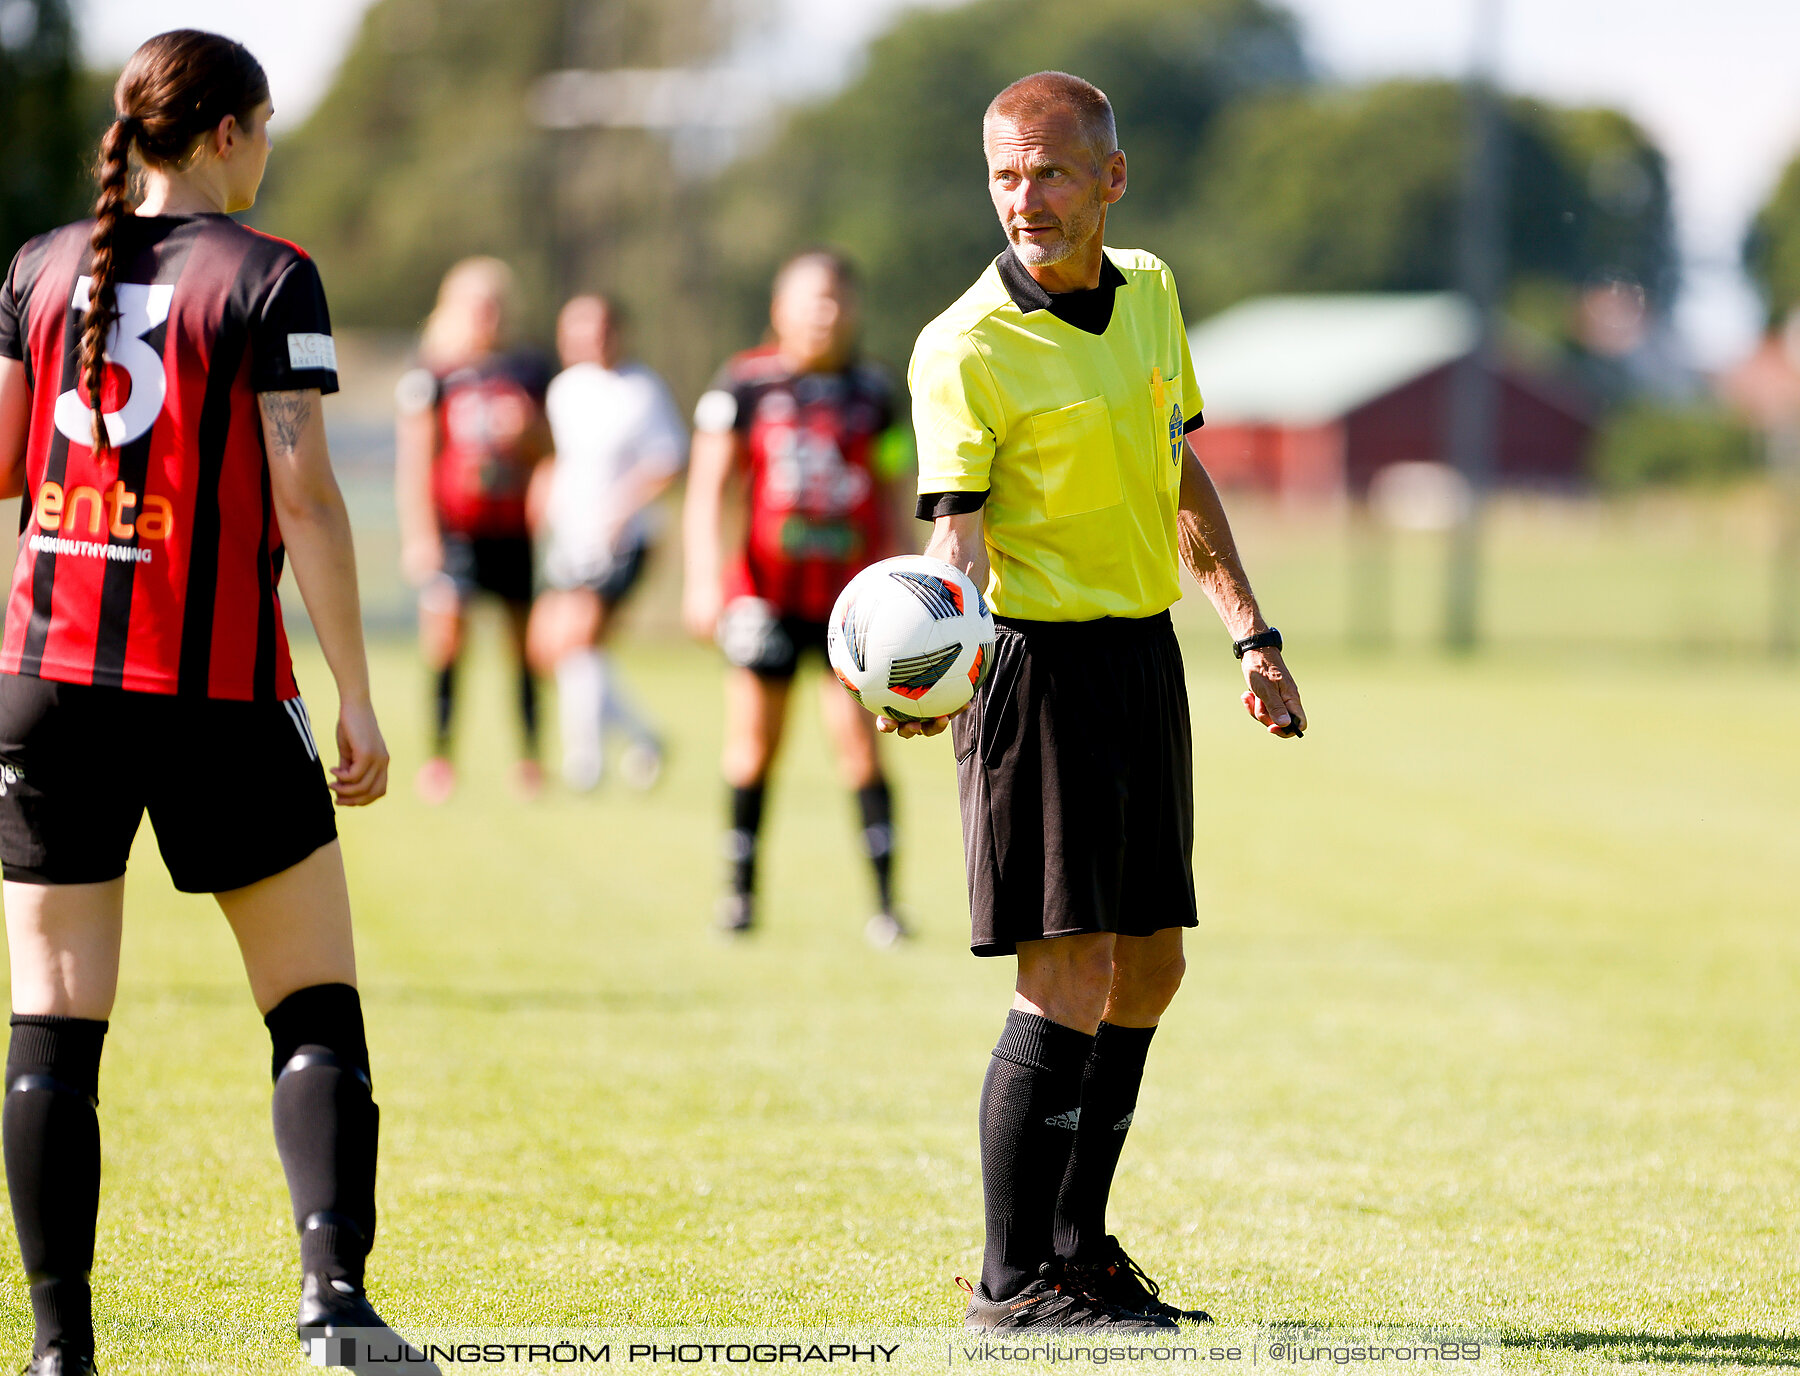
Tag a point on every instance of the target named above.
point(619, 444)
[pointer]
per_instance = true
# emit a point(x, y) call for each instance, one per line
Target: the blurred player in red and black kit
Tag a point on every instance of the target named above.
point(471, 432)
point(812, 431)
point(160, 381)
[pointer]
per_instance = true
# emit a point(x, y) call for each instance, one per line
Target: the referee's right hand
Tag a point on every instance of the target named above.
point(906, 730)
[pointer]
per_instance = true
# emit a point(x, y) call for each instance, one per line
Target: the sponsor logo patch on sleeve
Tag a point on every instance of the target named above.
point(312, 351)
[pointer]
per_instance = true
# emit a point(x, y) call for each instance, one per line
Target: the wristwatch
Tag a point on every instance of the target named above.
point(1262, 640)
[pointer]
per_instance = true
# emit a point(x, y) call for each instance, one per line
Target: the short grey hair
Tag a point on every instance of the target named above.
point(1039, 94)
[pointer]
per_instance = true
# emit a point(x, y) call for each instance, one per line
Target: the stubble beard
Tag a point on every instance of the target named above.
point(1076, 231)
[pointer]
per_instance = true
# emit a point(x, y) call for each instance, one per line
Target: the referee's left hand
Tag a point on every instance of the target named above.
point(1273, 698)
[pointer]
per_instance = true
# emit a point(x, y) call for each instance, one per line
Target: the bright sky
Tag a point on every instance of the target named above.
point(1717, 84)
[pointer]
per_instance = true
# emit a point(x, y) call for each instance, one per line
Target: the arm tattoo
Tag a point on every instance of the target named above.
point(287, 414)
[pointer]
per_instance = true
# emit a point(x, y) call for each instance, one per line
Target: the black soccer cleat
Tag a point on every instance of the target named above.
point(338, 1327)
point(59, 1361)
point(1055, 1300)
point(1117, 1279)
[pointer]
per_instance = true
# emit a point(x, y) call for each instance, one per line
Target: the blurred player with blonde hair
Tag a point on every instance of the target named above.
point(471, 431)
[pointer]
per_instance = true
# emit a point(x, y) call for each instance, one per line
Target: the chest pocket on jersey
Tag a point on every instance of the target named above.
point(1077, 458)
point(141, 309)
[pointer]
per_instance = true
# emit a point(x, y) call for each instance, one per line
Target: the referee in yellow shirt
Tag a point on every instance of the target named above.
point(1052, 404)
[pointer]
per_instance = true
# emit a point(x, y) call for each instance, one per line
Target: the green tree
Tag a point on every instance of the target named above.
point(1615, 183)
point(890, 169)
point(1772, 248)
point(1357, 190)
point(46, 131)
point(424, 151)
point(1652, 443)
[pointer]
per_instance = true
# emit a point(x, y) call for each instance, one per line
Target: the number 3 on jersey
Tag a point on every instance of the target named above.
point(141, 309)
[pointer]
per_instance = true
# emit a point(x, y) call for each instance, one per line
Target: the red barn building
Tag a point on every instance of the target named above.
point(1308, 396)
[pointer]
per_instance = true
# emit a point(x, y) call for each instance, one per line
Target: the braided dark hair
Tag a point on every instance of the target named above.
point(175, 88)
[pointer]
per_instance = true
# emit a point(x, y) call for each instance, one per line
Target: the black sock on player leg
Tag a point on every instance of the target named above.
point(443, 708)
point(741, 841)
point(1030, 1105)
point(528, 709)
point(876, 803)
point(1109, 1094)
point(327, 1126)
point(52, 1140)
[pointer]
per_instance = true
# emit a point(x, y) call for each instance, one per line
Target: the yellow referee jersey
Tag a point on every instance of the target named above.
point(1070, 413)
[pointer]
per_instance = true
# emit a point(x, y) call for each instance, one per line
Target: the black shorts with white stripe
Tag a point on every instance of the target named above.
point(236, 791)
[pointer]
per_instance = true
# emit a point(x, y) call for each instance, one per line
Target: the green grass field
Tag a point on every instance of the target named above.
point(1491, 1019)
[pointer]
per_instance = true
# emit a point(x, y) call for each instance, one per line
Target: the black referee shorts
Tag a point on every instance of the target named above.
point(235, 790)
point(1075, 766)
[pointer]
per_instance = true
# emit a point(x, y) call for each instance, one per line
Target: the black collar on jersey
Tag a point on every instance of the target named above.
point(1089, 309)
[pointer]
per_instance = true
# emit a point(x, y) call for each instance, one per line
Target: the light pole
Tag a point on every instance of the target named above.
point(699, 116)
point(1783, 441)
point(1473, 422)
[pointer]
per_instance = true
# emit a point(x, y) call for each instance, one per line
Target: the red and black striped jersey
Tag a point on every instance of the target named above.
point(153, 565)
point(813, 468)
point(487, 415)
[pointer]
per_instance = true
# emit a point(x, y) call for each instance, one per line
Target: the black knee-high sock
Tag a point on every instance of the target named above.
point(1109, 1093)
point(52, 1138)
point(326, 1126)
point(741, 840)
point(528, 708)
point(877, 805)
point(443, 707)
point(1030, 1105)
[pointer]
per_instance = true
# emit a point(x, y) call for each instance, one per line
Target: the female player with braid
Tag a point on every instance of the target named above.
point(160, 378)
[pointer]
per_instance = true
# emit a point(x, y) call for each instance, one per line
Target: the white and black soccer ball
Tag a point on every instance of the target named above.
point(911, 638)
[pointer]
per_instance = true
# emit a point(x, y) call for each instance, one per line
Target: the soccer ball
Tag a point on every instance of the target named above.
point(911, 638)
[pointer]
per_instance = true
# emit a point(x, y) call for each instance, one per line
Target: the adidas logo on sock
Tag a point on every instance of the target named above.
point(1124, 1122)
point(1068, 1118)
